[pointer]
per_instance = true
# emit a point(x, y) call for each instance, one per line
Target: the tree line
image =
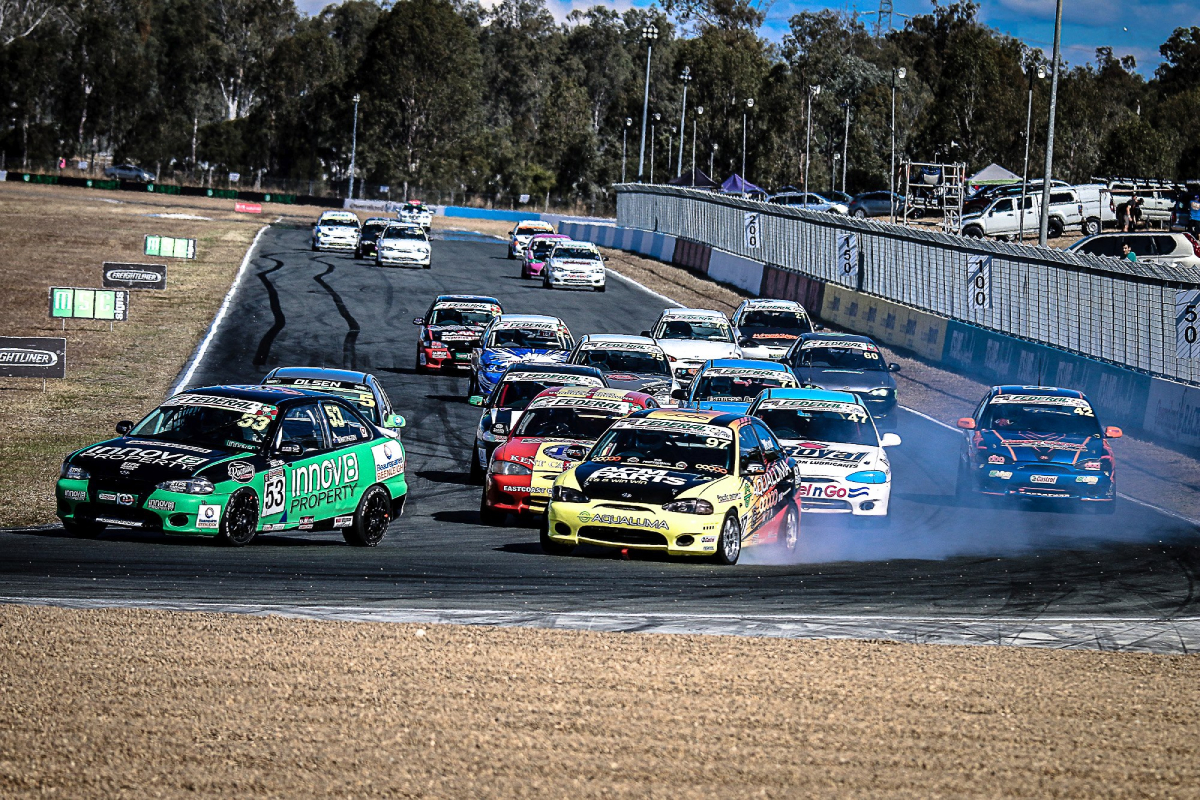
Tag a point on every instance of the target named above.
point(504, 101)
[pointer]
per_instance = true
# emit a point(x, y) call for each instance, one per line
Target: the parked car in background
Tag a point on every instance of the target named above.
point(129, 172)
point(983, 198)
point(810, 201)
point(1155, 247)
point(875, 204)
point(1002, 218)
point(1158, 197)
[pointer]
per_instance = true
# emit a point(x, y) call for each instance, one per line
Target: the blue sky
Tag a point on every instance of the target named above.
point(1130, 27)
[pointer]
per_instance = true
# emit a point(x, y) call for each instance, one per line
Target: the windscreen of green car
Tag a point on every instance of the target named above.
point(196, 423)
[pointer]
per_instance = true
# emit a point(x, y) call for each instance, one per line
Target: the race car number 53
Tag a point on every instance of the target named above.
point(274, 493)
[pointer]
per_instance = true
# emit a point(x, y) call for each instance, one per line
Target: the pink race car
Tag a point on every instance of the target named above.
point(536, 253)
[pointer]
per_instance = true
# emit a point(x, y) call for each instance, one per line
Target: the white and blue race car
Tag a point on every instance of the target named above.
point(512, 338)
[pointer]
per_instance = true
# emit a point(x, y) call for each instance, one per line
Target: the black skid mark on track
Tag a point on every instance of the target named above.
point(264, 344)
point(349, 358)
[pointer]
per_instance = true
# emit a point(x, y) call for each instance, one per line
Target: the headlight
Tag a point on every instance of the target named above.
point(867, 476)
point(509, 468)
point(565, 494)
point(188, 486)
point(74, 473)
point(690, 506)
point(881, 392)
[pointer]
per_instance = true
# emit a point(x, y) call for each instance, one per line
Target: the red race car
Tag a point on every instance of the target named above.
point(451, 329)
point(537, 252)
point(557, 429)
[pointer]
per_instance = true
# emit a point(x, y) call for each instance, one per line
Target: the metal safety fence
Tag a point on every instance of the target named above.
point(1126, 313)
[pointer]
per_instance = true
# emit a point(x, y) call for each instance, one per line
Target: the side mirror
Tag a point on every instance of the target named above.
point(678, 394)
point(890, 440)
point(754, 468)
point(394, 421)
point(576, 452)
point(124, 427)
point(646, 334)
point(290, 449)
point(418, 321)
point(500, 429)
point(1112, 432)
point(893, 367)
point(966, 423)
point(475, 400)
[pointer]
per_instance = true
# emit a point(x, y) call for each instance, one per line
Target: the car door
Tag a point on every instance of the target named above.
point(750, 458)
point(1002, 217)
point(781, 480)
point(292, 491)
point(347, 461)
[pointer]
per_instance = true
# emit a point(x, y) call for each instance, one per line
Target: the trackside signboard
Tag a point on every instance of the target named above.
point(40, 357)
point(134, 276)
point(111, 305)
point(170, 247)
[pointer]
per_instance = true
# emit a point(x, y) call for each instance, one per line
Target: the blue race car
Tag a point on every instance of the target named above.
point(1041, 443)
point(511, 338)
point(731, 384)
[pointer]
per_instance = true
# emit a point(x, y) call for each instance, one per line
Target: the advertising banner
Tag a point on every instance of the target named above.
point(247, 208)
point(134, 276)
point(38, 357)
point(110, 305)
point(170, 247)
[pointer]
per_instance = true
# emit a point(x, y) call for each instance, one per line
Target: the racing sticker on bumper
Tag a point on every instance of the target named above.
point(208, 517)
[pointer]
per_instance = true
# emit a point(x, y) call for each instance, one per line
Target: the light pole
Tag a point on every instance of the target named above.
point(654, 125)
point(897, 74)
point(1041, 73)
point(813, 91)
point(624, 142)
point(745, 111)
point(695, 124)
point(354, 144)
point(671, 144)
point(686, 77)
point(845, 143)
point(649, 34)
point(712, 155)
point(1045, 220)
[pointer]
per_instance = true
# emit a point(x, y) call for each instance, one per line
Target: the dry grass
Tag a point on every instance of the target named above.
point(138, 703)
point(58, 236)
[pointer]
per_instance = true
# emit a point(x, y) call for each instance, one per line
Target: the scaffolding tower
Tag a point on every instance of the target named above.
point(931, 188)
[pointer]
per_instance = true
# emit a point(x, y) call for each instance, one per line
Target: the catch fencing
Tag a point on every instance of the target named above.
point(1120, 312)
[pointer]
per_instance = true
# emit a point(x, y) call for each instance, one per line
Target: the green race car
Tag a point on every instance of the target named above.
point(230, 461)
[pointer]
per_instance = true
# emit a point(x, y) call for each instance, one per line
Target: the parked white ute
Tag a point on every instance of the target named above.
point(766, 328)
point(336, 230)
point(574, 265)
point(840, 459)
point(691, 336)
point(403, 245)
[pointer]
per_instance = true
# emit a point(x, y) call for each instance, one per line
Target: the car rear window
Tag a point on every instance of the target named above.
point(1062, 197)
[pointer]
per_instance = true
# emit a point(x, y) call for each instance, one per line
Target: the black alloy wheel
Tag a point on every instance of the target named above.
point(371, 518)
point(239, 523)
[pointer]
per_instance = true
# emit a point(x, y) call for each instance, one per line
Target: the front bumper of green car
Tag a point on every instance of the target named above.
point(160, 510)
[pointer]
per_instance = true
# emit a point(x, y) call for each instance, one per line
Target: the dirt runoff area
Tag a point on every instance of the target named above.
point(59, 236)
point(123, 703)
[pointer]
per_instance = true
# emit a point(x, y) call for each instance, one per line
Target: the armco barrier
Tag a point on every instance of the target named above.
point(1165, 410)
point(1115, 311)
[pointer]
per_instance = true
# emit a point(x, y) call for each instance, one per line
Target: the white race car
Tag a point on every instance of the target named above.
point(522, 232)
point(691, 336)
point(766, 328)
point(414, 212)
point(574, 265)
point(840, 457)
point(336, 230)
point(403, 245)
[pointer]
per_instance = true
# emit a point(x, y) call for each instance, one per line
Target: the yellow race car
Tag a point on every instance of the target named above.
point(696, 483)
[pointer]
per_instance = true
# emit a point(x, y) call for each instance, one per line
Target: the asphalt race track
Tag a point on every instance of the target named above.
point(937, 560)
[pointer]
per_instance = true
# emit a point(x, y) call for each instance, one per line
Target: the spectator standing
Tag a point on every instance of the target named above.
point(1193, 209)
point(1123, 216)
point(1135, 212)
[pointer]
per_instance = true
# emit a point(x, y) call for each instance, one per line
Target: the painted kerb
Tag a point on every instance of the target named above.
point(1120, 312)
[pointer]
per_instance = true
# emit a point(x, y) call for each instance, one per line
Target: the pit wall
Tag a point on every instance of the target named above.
point(1159, 409)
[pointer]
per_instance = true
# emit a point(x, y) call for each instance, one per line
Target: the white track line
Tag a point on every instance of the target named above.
point(202, 348)
point(647, 290)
